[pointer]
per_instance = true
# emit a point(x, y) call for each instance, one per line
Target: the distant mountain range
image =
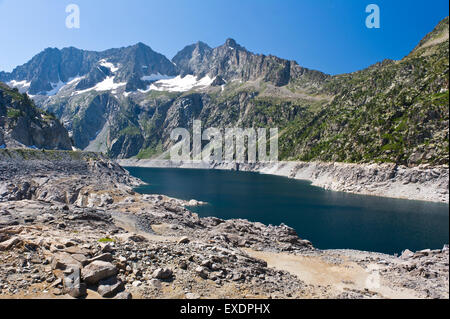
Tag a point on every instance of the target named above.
point(126, 101)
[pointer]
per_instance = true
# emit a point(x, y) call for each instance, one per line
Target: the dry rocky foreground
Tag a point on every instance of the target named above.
point(71, 226)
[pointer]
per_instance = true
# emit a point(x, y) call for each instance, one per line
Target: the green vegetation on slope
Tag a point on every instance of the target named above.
point(391, 112)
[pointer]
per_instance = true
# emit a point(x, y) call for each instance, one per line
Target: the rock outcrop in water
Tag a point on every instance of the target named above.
point(71, 225)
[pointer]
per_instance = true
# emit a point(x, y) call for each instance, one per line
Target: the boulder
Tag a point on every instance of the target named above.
point(10, 243)
point(63, 261)
point(183, 240)
point(103, 257)
point(3, 237)
point(98, 270)
point(80, 258)
point(74, 249)
point(73, 285)
point(107, 248)
point(163, 273)
point(191, 295)
point(193, 202)
point(137, 238)
point(406, 254)
point(109, 287)
point(202, 272)
point(123, 295)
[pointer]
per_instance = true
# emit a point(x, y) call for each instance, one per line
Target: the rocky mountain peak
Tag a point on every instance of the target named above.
point(231, 43)
point(192, 57)
point(439, 36)
point(139, 62)
point(203, 45)
point(141, 46)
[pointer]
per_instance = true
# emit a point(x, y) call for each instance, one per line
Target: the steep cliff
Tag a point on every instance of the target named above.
point(22, 124)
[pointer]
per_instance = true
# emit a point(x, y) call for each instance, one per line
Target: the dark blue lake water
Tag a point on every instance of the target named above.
point(328, 219)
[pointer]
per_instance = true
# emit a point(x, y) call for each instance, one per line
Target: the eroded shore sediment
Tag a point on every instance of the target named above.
point(71, 226)
point(423, 182)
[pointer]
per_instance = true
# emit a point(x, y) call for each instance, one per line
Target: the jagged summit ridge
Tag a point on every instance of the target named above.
point(135, 67)
point(50, 70)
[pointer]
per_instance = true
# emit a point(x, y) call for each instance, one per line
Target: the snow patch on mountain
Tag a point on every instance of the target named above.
point(60, 85)
point(22, 86)
point(109, 65)
point(75, 79)
point(180, 84)
point(107, 84)
point(156, 77)
point(56, 87)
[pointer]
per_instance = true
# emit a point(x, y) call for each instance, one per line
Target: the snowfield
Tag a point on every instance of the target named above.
point(179, 84)
point(56, 87)
point(22, 86)
point(158, 82)
point(106, 85)
point(108, 65)
point(156, 77)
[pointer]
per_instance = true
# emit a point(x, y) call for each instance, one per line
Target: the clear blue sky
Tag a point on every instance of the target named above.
point(327, 35)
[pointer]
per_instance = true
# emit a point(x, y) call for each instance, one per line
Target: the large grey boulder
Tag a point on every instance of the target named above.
point(123, 295)
point(163, 273)
point(109, 287)
point(63, 261)
point(73, 285)
point(98, 270)
point(103, 257)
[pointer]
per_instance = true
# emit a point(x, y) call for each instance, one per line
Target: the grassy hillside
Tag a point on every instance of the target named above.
point(394, 111)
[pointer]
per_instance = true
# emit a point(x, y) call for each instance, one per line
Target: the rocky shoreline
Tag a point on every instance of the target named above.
point(424, 182)
point(71, 226)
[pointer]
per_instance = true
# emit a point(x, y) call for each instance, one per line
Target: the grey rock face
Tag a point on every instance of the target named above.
point(98, 74)
point(53, 65)
point(2, 105)
point(27, 125)
point(191, 58)
point(108, 122)
point(232, 61)
point(93, 118)
point(138, 61)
